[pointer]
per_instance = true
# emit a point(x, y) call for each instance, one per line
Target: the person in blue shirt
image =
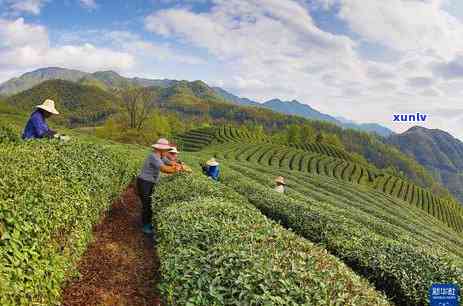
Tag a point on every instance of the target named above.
point(211, 169)
point(37, 126)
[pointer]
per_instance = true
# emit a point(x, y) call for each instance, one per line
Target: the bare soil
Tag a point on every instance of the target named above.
point(120, 266)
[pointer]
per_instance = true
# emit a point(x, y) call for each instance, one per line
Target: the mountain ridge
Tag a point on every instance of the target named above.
point(438, 151)
point(110, 79)
point(297, 108)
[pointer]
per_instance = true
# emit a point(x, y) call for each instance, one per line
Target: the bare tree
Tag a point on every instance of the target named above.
point(139, 104)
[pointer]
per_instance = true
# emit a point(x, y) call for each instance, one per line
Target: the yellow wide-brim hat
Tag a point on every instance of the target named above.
point(212, 162)
point(49, 106)
point(280, 180)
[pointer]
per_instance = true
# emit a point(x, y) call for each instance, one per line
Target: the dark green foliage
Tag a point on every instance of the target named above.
point(78, 104)
point(217, 249)
point(422, 198)
point(280, 156)
point(398, 266)
point(275, 156)
point(51, 194)
point(9, 134)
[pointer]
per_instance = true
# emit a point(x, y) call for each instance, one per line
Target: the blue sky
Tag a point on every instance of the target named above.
point(364, 60)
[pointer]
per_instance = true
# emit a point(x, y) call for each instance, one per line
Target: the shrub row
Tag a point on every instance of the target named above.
point(401, 270)
point(50, 196)
point(424, 199)
point(217, 249)
point(282, 157)
point(383, 215)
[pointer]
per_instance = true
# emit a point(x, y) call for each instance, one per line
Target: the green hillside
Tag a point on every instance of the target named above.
point(321, 160)
point(392, 242)
point(196, 104)
point(78, 104)
point(438, 151)
point(182, 99)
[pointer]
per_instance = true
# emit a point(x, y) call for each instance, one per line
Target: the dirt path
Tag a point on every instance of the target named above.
point(119, 267)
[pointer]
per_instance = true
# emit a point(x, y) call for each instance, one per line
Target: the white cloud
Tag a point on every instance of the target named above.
point(452, 69)
point(89, 4)
point(263, 42)
point(27, 46)
point(419, 26)
point(26, 6)
point(134, 44)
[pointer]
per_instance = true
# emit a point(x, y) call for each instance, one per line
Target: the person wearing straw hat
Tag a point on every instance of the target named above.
point(149, 178)
point(37, 126)
point(171, 159)
point(211, 169)
point(280, 184)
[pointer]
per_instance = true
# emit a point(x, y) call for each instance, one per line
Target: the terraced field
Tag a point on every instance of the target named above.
point(198, 139)
point(293, 159)
point(286, 158)
point(398, 247)
point(442, 209)
point(218, 249)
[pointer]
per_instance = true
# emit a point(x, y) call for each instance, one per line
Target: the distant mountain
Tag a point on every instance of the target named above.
point(235, 99)
point(152, 82)
point(438, 151)
point(78, 104)
point(298, 109)
point(30, 79)
point(370, 128)
point(112, 79)
point(102, 79)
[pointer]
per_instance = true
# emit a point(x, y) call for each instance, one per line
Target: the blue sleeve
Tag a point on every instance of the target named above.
point(40, 126)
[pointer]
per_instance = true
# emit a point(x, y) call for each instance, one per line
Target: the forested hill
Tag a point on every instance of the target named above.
point(438, 151)
point(79, 105)
point(109, 80)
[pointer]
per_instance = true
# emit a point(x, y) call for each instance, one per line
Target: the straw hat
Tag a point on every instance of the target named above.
point(162, 144)
point(49, 106)
point(212, 162)
point(173, 150)
point(280, 180)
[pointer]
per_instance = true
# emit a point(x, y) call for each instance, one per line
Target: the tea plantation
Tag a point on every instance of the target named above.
point(398, 247)
point(344, 233)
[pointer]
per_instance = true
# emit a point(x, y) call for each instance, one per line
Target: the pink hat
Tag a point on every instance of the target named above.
point(162, 144)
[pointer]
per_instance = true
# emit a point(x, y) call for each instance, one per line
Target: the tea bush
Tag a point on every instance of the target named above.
point(8, 134)
point(51, 194)
point(369, 208)
point(280, 157)
point(216, 249)
point(403, 271)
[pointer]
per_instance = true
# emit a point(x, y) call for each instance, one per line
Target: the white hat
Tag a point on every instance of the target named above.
point(212, 162)
point(162, 144)
point(49, 106)
point(280, 180)
point(173, 150)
